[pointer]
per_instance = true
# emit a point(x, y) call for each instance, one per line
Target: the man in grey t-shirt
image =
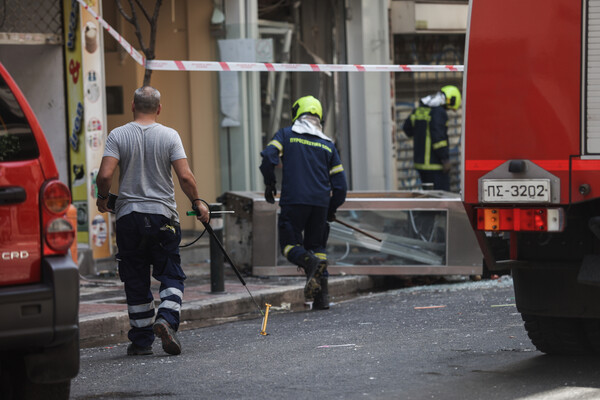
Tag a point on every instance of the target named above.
point(148, 232)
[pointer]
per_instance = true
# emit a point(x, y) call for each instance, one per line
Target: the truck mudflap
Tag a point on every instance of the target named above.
point(589, 273)
point(554, 290)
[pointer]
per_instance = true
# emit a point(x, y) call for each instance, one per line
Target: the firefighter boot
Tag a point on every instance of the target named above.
point(314, 268)
point(322, 297)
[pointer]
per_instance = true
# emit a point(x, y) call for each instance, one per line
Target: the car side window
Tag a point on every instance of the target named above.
point(17, 141)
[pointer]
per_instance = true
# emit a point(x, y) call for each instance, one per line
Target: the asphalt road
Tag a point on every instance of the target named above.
point(452, 341)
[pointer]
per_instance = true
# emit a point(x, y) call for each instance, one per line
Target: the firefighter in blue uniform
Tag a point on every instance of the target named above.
point(313, 187)
point(428, 125)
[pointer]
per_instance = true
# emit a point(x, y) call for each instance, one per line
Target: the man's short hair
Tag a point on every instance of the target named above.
point(146, 99)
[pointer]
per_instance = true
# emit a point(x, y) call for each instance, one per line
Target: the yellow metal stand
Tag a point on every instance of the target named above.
point(264, 325)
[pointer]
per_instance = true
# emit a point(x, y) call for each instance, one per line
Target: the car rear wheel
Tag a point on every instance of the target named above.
point(54, 391)
point(16, 384)
point(558, 335)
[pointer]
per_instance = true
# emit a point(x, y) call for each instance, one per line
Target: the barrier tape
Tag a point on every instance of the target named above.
point(137, 56)
point(169, 65)
point(173, 65)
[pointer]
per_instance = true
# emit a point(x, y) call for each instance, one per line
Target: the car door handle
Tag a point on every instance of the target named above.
point(12, 195)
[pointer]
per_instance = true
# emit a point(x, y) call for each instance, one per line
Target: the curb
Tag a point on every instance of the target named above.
point(111, 328)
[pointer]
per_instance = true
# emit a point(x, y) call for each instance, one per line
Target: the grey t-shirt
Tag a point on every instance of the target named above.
point(145, 153)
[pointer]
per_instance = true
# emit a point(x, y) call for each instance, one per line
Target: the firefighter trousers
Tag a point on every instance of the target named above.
point(440, 180)
point(149, 246)
point(303, 228)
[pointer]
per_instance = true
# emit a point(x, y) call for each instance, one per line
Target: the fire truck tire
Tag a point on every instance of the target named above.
point(557, 335)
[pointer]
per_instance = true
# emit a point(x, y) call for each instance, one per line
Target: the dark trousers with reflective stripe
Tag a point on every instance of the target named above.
point(440, 180)
point(303, 228)
point(149, 245)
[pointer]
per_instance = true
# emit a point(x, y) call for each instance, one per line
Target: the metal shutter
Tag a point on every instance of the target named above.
point(592, 122)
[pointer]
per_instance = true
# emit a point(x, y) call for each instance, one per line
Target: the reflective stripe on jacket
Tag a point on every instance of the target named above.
point(429, 128)
point(312, 171)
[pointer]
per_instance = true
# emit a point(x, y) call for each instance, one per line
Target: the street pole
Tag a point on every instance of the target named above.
point(217, 274)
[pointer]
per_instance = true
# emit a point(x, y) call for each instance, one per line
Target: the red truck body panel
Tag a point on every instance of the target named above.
point(531, 160)
point(523, 92)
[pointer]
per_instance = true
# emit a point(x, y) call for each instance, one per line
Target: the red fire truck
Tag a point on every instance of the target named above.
point(531, 166)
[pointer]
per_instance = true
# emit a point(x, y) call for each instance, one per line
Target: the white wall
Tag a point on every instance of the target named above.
point(240, 146)
point(372, 147)
point(38, 70)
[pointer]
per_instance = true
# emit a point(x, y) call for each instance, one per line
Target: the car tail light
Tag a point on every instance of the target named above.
point(56, 197)
point(521, 219)
point(58, 232)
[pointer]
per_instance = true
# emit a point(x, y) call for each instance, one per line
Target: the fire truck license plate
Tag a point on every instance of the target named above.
point(515, 191)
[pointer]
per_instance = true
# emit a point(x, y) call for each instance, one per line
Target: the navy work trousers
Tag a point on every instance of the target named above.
point(303, 228)
point(149, 245)
point(440, 180)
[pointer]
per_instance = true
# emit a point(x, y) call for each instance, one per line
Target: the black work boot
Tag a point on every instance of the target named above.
point(135, 350)
point(313, 267)
point(170, 343)
point(322, 297)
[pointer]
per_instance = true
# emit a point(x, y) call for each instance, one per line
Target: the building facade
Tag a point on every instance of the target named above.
point(80, 81)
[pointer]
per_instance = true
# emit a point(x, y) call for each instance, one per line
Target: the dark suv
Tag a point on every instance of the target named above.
point(39, 281)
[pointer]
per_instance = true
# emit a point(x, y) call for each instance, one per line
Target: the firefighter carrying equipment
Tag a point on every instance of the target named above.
point(307, 105)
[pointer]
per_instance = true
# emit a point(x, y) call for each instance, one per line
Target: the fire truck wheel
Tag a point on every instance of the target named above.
point(557, 335)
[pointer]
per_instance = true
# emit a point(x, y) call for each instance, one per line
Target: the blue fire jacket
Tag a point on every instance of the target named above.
point(312, 171)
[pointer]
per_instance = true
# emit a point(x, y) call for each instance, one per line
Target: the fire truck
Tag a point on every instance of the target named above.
point(531, 160)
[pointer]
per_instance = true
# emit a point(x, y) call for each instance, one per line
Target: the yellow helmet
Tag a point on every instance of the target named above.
point(307, 104)
point(452, 96)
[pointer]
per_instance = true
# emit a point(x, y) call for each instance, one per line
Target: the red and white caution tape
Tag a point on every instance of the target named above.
point(173, 65)
point(170, 65)
point(136, 55)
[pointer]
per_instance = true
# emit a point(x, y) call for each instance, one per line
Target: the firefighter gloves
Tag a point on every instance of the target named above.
point(446, 166)
point(270, 193)
point(331, 215)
